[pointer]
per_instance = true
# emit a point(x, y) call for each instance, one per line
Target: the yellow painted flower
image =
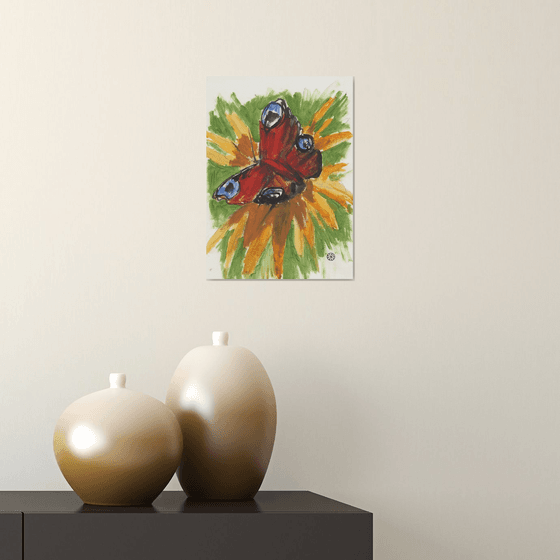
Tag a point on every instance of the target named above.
point(256, 235)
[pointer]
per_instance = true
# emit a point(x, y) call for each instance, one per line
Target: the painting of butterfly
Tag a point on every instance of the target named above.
point(280, 202)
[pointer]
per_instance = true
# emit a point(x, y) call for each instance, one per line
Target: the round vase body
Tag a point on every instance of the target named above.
point(226, 408)
point(118, 447)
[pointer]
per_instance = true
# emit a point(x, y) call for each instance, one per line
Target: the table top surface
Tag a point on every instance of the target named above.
point(176, 502)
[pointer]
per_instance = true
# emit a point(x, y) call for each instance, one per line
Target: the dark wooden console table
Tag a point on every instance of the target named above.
point(273, 526)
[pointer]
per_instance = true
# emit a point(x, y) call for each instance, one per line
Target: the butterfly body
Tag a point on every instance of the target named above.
point(287, 158)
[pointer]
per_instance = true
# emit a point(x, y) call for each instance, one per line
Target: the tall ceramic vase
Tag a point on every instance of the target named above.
point(226, 408)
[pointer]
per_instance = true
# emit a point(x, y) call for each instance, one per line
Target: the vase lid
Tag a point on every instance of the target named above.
point(117, 380)
point(220, 338)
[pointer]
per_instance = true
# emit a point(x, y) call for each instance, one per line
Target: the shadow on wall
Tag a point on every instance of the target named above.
point(325, 427)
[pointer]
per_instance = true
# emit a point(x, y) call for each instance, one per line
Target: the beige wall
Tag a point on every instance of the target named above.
point(427, 389)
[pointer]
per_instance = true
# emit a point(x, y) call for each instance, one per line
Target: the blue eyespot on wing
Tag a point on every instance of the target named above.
point(272, 114)
point(305, 143)
point(271, 195)
point(228, 189)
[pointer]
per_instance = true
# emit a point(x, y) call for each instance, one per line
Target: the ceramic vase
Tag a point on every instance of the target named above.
point(118, 447)
point(226, 408)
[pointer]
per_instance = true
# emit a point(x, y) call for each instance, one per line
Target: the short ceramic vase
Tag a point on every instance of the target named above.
point(226, 408)
point(118, 447)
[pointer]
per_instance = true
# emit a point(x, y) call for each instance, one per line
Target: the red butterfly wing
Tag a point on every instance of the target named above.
point(282, 142)
point(278, 130)
point(244, 186)
point(308, 163)
point(259, 183)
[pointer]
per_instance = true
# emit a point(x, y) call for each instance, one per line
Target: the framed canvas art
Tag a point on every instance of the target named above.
point(280, 197)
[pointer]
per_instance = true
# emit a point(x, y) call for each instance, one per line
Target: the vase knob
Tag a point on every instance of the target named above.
point(117, 380)
point(220, 338)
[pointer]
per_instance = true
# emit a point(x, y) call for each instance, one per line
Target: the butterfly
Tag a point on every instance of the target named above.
point(287, 158)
